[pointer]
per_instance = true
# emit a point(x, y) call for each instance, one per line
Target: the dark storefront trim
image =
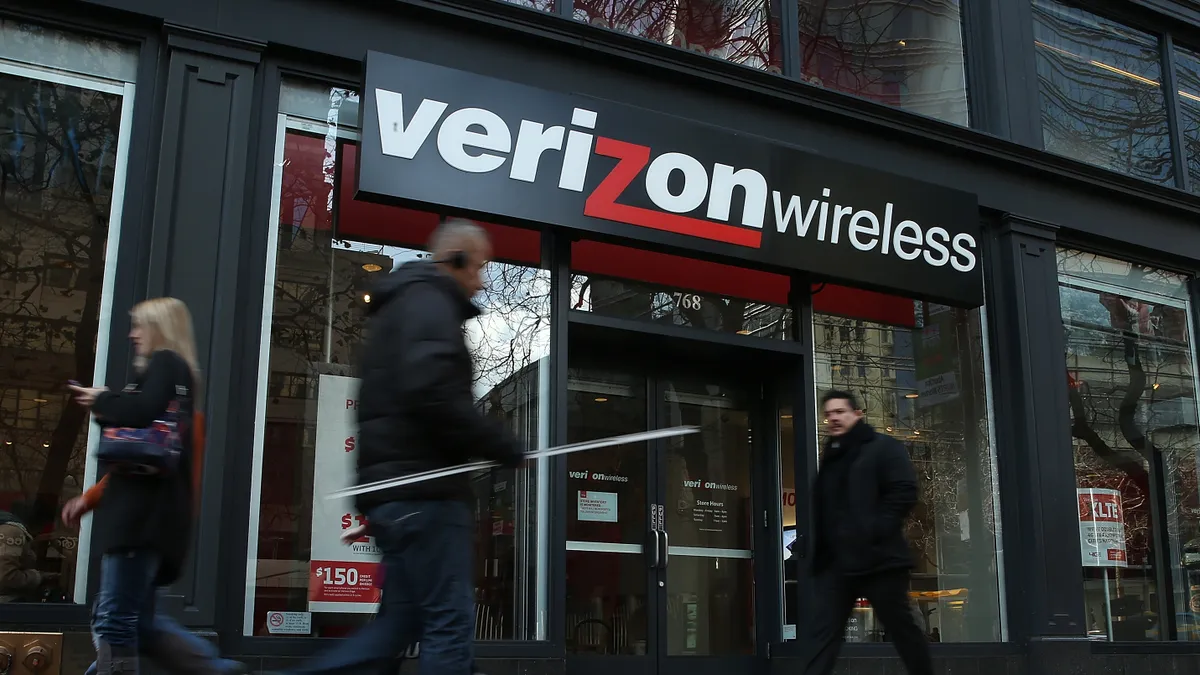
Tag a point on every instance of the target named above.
point(312, 25)
point(232, 90)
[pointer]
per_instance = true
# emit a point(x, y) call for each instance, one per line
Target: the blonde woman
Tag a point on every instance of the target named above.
point(145, 519)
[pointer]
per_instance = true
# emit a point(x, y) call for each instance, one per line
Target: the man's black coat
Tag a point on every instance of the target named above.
point(865, 489)
point(416, 410)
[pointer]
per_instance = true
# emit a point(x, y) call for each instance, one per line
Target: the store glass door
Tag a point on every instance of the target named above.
point(660, 553)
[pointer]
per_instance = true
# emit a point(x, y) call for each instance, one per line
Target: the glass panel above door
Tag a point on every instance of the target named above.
point(630, 283)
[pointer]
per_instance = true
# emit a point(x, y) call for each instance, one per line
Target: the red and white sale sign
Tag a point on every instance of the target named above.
point(343, 582)
point(1102, 528)
point(341, 578)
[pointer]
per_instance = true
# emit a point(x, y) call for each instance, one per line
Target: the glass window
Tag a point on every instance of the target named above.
point(921, 377)
point(1131, 374)
point(58, 50)
point(1187, 77)
point(904, 54)
point(741, 31)
point(787, 484)
point(1102, 97)
point(540, 5)
point(328, 248)
point(62, 153)
point(334, 106)
point(630, 283)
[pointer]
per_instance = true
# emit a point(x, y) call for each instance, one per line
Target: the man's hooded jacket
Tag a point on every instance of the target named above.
point(416, 409)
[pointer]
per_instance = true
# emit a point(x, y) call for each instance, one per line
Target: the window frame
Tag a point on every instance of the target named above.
point(127, 91)
point(812, 460)
point(1160, 547)
point(302, 644)
point(1170, 38)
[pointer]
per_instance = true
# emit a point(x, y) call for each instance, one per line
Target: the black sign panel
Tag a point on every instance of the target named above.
point(440, 137)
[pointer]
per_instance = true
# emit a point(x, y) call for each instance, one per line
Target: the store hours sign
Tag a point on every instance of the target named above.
point(443, 138)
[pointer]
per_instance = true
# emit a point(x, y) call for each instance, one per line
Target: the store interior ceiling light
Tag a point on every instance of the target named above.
point(371, 267)
point(601, 399)
point(911, 395)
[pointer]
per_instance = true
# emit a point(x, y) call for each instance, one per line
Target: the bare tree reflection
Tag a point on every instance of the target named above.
point(56, 173)
point(740, 31)
point(904, 53)
point(1102, 97)
point(1187, 76)
point(1132, 399)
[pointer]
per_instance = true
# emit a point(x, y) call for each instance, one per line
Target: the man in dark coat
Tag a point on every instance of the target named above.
point(416, 412)
point(865, 489)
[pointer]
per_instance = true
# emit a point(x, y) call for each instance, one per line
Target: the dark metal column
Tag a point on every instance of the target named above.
point(199, 223)
point(1002, 70)
point(1043, 581)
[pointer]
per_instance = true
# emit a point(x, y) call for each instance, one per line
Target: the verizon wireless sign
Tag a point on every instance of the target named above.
point(443, 138)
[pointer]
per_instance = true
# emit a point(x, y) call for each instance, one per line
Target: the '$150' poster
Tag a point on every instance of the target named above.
point(341, 578)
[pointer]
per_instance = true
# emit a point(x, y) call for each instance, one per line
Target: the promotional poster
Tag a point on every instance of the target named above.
point(341, 578)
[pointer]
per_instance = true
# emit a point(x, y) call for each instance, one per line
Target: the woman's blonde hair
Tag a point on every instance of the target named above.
point(168, 325)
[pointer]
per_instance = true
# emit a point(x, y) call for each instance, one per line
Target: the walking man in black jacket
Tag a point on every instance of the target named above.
point(416, 412)
point(865, 489)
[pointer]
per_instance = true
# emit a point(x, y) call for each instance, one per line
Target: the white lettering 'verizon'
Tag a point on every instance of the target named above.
point(483, 152)
point(867, 231)
point(477, 140)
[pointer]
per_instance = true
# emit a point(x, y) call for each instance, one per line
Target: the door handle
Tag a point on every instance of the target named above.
point(666, 554)
point(657, 548)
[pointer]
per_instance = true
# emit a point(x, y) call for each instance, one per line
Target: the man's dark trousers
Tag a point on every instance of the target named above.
point(888, 594)
point(428, 593)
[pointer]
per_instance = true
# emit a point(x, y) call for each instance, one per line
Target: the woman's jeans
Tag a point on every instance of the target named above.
point(124, 624)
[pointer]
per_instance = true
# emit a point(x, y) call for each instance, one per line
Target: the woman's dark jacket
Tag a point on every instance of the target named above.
point(150, 512)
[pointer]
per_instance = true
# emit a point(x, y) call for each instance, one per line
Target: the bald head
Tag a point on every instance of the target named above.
point(453, 235)
point(457, 237)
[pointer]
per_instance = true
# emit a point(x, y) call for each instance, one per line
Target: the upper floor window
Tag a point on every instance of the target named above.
point(1101, 92)
point(1187, 80)
point(741, 31)
point(905, 54)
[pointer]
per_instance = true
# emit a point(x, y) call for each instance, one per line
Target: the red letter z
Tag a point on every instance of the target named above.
point(602, 203)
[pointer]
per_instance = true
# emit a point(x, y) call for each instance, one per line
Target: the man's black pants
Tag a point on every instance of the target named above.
point(888, 594)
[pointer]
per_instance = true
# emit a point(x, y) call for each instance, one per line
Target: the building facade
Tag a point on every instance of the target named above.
point(978, 216)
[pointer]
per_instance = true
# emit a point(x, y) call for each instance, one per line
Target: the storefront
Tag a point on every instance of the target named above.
point(687, 230)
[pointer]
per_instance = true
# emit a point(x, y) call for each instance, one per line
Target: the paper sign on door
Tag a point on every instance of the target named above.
point(597, 507)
